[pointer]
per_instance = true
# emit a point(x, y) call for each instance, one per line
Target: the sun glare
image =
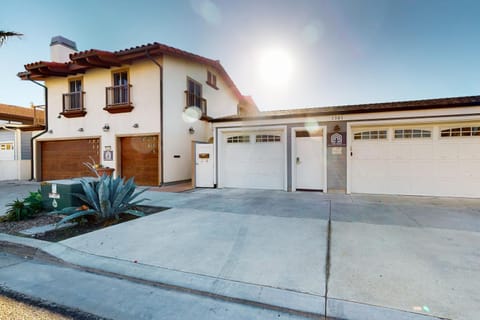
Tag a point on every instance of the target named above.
point(275, 66)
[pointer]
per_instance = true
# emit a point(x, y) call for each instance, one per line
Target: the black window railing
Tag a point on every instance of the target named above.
point(192, 99)
point(73, 101)
point(118, 95)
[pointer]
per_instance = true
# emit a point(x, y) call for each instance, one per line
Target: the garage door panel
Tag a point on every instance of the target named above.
point(64, 159)
point(254, 164)
point(439, 166)
point(400, 151)
point(446, 151)
point(469, 151)
point(140, 159)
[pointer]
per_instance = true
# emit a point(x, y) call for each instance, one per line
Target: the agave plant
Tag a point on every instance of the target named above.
point(105, 199)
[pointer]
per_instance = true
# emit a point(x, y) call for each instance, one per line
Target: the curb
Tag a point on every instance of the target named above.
point(300, 303)
point(305, 304)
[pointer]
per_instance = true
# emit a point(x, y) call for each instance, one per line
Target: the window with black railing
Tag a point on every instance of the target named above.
point(73, 101)
point(193, 96)
point(118, 95)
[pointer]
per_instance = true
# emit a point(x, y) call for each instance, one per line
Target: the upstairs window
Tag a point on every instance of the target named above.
point(193, 96)
point(74, 96)
point(73, 101)
point(212, 79)
point(371, 135)
point(120, 87)
point(118, 96)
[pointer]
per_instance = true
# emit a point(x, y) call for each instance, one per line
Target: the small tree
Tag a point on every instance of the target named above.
point(4, 35)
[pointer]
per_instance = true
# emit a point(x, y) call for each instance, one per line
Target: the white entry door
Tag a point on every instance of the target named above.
point(309, 163)
point(204, 165)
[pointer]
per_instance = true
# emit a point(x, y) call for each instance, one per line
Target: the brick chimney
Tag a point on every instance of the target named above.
point(61, 48)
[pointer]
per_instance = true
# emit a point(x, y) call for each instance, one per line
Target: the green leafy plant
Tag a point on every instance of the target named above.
point(17, 211)
point(34, 202)
point(105, 199)
point(24, 209)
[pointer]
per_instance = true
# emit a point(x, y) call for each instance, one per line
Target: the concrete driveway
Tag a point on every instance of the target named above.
point(413, 254)
point(390, 256)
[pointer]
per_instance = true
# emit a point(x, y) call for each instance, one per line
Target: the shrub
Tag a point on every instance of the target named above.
point(24, 209)
point(34, 202)
point(105, 199)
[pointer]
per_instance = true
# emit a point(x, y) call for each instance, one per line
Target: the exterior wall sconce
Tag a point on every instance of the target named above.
point(59, 116)
point(80, 129)
point(50, 131)
point(106, 127)
point(191, 130)
point(135, 125)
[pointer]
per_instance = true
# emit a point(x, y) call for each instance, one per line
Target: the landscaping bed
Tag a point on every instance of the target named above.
point(59, 234)
point(82, 228)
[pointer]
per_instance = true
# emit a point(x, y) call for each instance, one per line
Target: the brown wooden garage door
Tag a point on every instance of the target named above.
point(64, 159)
point(139, 159)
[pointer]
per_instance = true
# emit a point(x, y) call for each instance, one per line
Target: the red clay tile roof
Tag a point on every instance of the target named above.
point(93, 58)
point(360, 108)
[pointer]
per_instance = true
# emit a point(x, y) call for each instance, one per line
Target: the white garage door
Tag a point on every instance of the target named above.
point(254, 160)
point(432, 160)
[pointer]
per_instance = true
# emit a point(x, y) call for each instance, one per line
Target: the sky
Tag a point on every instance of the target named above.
point(324, 52)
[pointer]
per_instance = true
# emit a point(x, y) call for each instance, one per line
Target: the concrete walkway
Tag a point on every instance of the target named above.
point(390, 257)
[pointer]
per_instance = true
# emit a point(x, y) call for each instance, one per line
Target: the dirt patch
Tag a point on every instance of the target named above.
point(12, 227)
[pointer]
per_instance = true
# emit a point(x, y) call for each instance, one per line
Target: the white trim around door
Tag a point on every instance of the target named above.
point(293, 143)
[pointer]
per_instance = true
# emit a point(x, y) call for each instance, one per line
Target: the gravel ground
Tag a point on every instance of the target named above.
point(15, 226)
point(13, 310)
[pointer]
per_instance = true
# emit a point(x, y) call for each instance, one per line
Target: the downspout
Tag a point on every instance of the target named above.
point(42, 132)
point(160, 68)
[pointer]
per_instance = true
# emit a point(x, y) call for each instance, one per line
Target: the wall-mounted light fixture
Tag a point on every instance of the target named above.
point(59, 116)
point(80, 129)
point(191, 130)
point(50, 131)
point(135, 125)
point(106, 127)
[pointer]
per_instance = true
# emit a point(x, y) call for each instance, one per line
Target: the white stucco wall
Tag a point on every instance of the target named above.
point(14, 170)
point(178, 140)
point(144, 76)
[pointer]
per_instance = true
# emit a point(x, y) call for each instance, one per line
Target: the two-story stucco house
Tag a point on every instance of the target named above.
point(131, 110)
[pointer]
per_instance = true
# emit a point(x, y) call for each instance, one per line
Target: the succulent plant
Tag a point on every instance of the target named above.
point(106, 199)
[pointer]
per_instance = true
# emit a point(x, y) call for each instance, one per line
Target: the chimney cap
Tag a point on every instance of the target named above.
point(64, 41)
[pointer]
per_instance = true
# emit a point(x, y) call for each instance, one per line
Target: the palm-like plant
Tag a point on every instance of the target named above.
point(4, 35)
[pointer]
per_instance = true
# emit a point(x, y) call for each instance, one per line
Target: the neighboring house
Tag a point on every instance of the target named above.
point(15, 143)
point(130, 110)
point(426, 147)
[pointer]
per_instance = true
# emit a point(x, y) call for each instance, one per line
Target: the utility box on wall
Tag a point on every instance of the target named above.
point(58, 194)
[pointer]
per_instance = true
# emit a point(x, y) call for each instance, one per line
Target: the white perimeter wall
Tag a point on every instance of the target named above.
point(15, 169)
